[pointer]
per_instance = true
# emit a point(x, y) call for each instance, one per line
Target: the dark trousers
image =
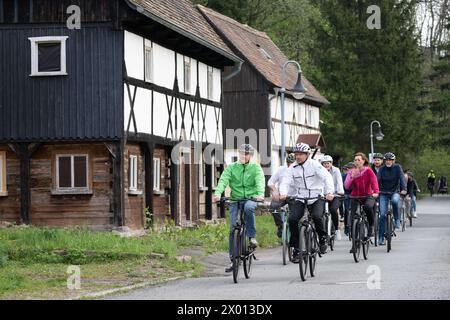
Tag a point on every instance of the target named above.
point(276, 212)
point(297, 210)
point(369, 209)
point(346, 210)
point(333, 206)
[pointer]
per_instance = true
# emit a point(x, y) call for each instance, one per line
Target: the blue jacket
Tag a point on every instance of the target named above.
point(391, 179)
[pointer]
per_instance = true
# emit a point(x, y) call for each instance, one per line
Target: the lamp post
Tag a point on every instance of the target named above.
point(379, 136)
point(298, 92)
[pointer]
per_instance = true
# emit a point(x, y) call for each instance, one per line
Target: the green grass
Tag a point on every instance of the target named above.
point(34, 261)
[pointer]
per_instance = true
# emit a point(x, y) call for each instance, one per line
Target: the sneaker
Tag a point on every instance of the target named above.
point(323, 245)
point(381, 242)
point(253, 242)
point(397, 225)
point(229, 268)
point(415, 215)
point(338, 235)
point(351, 250)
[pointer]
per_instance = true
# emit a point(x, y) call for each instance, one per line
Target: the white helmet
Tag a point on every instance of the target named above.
point(301, 148)
point(326, 159)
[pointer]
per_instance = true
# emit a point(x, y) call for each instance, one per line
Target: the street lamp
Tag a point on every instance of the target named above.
point(379, 136)
point(298, 92)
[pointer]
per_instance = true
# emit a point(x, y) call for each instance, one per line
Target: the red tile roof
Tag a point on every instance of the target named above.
point(260, 51)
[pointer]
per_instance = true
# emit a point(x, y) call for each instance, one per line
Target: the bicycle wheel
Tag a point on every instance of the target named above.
point(331, 231)
point(313, 249)
point(303, 246)
point(247, 261)
point(284, 239)
point(365, 239)
point(236, 254)
point(403, 215)
point(389, 226)
point(356, 240)
point(375, 228)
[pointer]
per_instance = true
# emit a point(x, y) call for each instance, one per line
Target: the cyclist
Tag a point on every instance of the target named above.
point(306, 178)
point(412, 188)
point(431, 179)
point(274, 185)
point(246, 180)
point(390, 179)
point(327, 162)
point(377, 162)
point(363, 183)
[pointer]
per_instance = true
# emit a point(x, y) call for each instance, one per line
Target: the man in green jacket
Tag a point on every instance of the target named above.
point(246, 180)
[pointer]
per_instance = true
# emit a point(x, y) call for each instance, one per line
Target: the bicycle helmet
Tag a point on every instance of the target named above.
point(290, 158)
point(326, 159)
point(301, 148)
point(389, 156)
point(247, 149)
point(378, 156)
point(350, 165)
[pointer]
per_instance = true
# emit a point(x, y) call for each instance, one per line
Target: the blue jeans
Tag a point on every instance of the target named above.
point(249, 210)
point(413, 202)
point(384, 203)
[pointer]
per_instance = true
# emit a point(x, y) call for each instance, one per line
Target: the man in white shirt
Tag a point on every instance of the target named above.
point(306, 178)
point(274, 185)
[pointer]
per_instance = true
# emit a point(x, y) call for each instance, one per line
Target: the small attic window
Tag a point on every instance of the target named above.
point(264, 52)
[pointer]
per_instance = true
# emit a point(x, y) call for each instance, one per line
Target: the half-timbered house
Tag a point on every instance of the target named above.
point(90, 116)
point(252, 99)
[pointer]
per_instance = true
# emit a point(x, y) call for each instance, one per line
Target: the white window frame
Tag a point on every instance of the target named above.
point(210, 83)
point(35, 41)
point(133, 183)
point(72, 168)
point(3, 182)
point(148, 65)
point(156, 174)
point(187, 67)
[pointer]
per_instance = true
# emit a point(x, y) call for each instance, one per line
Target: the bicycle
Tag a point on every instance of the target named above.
point(329, 225)
point(409, 209)
point(376, 221)
point(360, 231)
point(389, 231)
point(242, 251)
point(286, 235)
point(403, 213)
point(308, 240)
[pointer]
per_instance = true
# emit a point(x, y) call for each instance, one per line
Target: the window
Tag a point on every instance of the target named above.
point(72, 173)
point(310, 121)
point(133, 173)
point(202, 174)
point(187, 74)
point(148, 63)
point(210, 83)
point(48, 56)
point(156, 174)
point(3, 188)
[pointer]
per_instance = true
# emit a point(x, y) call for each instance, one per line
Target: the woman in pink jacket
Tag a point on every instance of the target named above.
point(364, 185)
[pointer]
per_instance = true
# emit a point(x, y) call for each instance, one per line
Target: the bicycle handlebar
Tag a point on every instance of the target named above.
point(229, 200)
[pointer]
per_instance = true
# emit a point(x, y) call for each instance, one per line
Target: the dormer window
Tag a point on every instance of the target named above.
point(48, 56)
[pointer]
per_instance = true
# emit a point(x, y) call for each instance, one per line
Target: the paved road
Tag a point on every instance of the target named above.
point(417, 268)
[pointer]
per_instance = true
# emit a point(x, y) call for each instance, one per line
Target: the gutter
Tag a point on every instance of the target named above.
point(183, 32)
